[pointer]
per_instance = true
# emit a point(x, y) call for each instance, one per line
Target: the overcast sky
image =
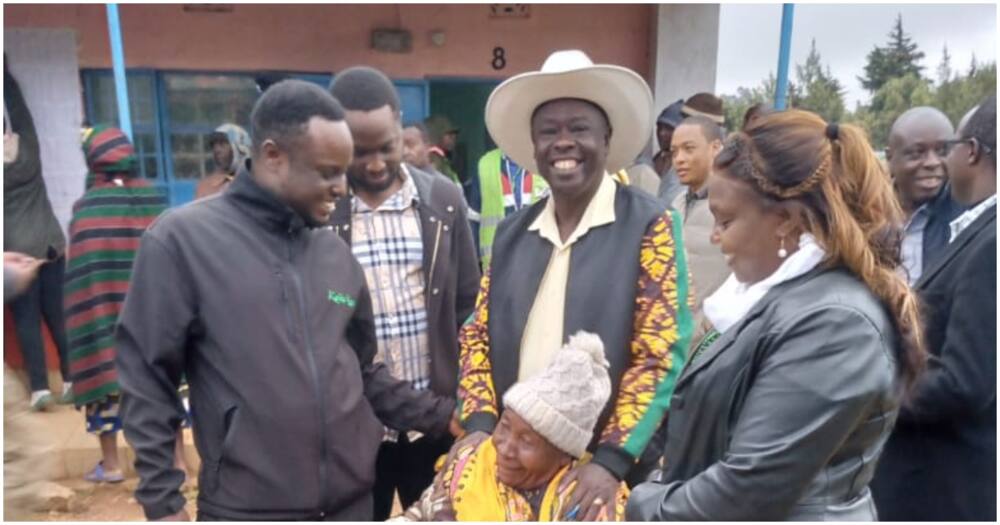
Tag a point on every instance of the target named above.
point(749, 34)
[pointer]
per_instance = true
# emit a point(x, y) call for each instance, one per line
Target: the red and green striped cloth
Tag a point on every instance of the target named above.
point(104, 236)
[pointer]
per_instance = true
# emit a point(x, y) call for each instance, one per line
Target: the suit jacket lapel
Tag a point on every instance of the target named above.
point(709, 354)
point(957, 246)
point(725, 340)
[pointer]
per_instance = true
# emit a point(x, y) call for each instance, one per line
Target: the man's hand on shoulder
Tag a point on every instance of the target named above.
point(595, 489)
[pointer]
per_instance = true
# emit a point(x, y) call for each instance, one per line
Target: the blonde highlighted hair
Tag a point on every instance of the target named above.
point(830, 175)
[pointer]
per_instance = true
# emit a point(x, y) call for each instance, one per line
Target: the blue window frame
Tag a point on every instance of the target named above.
point(101, 108)
point(173, 113)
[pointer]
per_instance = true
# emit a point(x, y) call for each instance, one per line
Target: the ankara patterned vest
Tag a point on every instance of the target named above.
point(600, 292)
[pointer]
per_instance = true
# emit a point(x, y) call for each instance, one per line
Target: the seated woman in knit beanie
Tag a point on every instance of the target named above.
point(543, 432)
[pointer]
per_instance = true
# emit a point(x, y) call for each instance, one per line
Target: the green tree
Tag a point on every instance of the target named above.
point(735, 106)
point(889, 102)
point(960, 94)
point(898, 58)
point(816, 89)
point(944, 71)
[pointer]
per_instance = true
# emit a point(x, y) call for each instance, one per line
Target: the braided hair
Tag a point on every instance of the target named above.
point(828, 176)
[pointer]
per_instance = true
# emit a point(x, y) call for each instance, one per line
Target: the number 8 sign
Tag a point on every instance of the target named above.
point(499, 58)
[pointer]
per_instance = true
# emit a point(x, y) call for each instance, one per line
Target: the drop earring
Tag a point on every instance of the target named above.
point(782, 252)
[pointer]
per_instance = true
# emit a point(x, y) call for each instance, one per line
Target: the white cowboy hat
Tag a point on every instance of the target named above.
point(620, 92)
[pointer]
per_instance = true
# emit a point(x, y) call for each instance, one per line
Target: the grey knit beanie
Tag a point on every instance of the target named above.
point(563, 401)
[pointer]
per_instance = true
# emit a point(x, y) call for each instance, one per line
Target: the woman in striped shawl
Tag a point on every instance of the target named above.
point(107, 223)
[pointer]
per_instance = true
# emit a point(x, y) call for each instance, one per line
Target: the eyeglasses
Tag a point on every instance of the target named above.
point(972, 141)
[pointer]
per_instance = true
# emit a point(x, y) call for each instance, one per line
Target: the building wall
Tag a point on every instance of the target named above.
point(325, 38)
point(686, 47)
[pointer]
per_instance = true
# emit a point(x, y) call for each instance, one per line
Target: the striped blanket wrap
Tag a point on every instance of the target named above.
point(107, 224)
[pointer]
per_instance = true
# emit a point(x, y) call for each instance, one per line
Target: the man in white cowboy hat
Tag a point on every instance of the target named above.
point(595, 255)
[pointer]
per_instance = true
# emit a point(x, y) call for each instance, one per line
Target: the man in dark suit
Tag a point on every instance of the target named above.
point(940, 463)
point(916, 162)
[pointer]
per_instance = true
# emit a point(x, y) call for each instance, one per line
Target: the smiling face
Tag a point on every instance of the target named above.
point(571, 139)
point(916, 158)
point(377, 150)
point(525, 459)
point(311, 174)
point(746, 229)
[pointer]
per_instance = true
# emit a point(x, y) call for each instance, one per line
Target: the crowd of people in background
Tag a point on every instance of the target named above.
point(766, 323)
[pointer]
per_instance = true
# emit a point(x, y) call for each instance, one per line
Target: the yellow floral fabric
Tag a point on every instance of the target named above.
point(476, 393)
point(661, 335)
point(477, 495)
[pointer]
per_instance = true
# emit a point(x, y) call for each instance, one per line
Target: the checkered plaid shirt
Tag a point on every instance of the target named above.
point(387, 243)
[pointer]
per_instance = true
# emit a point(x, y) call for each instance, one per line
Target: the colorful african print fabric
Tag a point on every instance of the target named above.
point(102, 416)
point(661, 334)
point(473, 492)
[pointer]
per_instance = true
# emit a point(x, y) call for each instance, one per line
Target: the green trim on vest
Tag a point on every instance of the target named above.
point(649, 422)
point(522, 258)
point(491, 210)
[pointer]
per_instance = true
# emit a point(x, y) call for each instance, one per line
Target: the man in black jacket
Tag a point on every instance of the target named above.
point(940, 463)
point(409, 231)
point(916, 163)
point(267, 314)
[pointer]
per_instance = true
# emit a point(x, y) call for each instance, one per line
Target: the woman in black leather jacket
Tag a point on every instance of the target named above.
point(783, 410)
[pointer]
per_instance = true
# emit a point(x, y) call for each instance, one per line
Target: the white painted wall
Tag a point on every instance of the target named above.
point(685, 50)
point(44, 61)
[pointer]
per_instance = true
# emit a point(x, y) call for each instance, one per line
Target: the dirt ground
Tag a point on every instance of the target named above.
point(116, 502)
point(106, 502)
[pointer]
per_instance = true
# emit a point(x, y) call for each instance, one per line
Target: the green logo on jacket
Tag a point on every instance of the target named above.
point(341, 299)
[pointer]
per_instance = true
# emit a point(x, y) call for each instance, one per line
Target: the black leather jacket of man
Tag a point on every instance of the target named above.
point(271, 322)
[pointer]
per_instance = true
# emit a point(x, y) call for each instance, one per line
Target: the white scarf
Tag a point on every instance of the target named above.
point(733, 299)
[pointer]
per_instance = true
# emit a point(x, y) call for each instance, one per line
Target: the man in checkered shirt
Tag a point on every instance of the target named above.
point(409, 230)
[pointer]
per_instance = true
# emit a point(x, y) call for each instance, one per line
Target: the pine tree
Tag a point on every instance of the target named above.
point(900, 57)
point(944, 69)
point(961, 93)
point(737, 105)
point(889, 102)
point(816, 88)
point(807, 73)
